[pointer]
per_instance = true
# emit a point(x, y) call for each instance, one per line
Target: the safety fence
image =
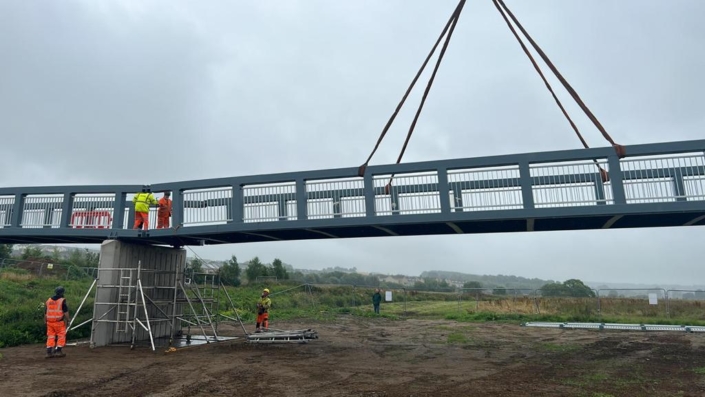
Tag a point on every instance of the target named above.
point(18, 268)
point(632, 305)
point(305, 299)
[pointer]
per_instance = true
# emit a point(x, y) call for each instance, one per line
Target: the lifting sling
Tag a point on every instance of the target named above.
point(452, 22)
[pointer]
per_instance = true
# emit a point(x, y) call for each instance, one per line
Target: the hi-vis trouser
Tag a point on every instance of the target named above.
point(56, 328)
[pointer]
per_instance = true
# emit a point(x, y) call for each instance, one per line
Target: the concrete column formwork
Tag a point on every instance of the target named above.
point(119, 310)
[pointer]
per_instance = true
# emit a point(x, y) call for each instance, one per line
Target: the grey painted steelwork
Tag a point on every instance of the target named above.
point(656, 185)
point(621, 327)
point(273, 336)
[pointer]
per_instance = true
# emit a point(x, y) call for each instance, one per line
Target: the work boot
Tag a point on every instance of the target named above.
point(50, 353)
point(59, 353)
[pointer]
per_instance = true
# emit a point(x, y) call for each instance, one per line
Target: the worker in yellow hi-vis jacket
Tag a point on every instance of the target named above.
point(263, 311)
point(142, 202)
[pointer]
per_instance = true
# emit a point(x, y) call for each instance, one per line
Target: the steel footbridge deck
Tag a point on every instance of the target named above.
point(655, 185)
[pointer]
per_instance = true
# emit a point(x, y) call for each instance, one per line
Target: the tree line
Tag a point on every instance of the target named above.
point(31, 253)
point(232, 273)
point(489, 281)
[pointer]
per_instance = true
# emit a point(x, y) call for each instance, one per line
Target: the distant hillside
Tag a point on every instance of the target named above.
point(487, 280)
point(535, 283)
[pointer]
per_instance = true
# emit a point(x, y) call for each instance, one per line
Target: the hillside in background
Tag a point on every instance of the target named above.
point(489, 281)
point(628, 286)
point(341, 275)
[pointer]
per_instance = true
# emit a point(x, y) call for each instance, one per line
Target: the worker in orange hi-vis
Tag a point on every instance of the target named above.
point(164, 211)
point(142, 202)
point(56, 319)
point(263, 311)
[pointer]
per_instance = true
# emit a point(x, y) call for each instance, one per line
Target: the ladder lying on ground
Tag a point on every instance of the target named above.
point(283, 336)
point(271, 335)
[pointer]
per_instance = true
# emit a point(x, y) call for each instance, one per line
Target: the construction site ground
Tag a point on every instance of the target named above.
point(356, 356)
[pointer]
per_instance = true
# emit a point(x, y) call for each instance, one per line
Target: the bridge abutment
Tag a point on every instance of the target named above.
point(136, 293)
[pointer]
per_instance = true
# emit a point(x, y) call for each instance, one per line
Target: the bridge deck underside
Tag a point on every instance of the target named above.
point(216, 235)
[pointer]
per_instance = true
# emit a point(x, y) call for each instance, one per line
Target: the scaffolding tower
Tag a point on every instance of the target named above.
point(201, 291)
point(137, 304)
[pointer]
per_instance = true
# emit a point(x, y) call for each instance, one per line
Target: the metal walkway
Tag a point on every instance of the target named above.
point(656, 185)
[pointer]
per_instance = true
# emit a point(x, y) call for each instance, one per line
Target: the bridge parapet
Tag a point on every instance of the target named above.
point(652, 173)
point(56, 207)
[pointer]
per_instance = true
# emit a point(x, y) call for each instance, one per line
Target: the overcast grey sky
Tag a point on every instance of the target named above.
point(154, 91)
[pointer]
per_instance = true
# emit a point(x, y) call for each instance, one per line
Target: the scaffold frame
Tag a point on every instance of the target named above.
point(136, 307)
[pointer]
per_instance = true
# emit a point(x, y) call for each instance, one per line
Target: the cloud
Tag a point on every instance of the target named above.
point(101, 96)
point(147, 92)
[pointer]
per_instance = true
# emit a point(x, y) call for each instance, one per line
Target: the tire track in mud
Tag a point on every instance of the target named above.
point(250, 380)
point(228, 381)
point(107, 385)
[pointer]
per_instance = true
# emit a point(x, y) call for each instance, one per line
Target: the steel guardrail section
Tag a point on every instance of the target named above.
point(283, 336)
point(617, 326)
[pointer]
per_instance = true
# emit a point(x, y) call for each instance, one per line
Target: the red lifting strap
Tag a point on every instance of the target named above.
point(451, 23)
point(618, 148)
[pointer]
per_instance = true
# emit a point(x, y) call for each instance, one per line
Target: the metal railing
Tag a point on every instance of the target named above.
point(40, 210)
point(535, 181)
point(575, 184)
point(487, 189)
point(207, 206)
point(268, 202)
point(664, 179)
point(334, 198)
point(408, 194)
point(6, 203)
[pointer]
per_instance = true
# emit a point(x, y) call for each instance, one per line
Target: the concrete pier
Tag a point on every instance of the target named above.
point(159, 269)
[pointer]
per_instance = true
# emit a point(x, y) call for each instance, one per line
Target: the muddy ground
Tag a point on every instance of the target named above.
point(378, 357)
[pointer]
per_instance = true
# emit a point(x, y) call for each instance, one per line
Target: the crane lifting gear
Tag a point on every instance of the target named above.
point(499, 4)
point(452, 22)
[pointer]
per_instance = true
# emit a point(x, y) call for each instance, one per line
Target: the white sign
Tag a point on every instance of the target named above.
point(653, 299)
point(388, 296)
point(50, 266)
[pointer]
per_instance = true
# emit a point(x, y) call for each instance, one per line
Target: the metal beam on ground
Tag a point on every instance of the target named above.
point(614, 326)
point(282, 336)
